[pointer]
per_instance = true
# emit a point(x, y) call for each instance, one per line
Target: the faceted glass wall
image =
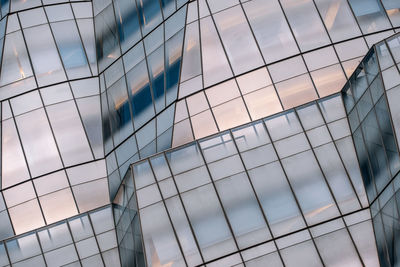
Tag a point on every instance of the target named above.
point(286, 183)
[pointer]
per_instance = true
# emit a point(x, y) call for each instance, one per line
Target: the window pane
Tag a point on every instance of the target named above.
point(306, 24)
point(38, 142)
point(310, 188)
point(276, 199)
point(268, 22)
point(338, 19)
point(370, 15)
point(237, 39)
point(158, 236)
point(243, 211)
point(44, 55)
point(208, 221)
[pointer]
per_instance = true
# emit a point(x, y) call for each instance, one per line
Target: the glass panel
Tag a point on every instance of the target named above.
point(370, 15)
point(296, 91)
point(183, 231)
point(106, 38)
point(127, 22)
point(69, 133)
point(213, 234)
point(276, 199)
point(301, 255)
point(38, 142)
point(44, 55)
point(238, 40)
point(119, 111)
point(71, 50)
point(215, 64)
point(310, 187)
point(338, 19)
point(139, 94)
point(13, 165)
point(242, 210)
point(306, 24)
point(149, 14)
point(268, 22)
point(158, 236)
point(15, 63)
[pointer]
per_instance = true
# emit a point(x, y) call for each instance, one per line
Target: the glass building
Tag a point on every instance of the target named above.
point(168, 133)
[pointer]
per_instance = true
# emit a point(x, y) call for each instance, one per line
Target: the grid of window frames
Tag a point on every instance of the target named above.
point(87, 240)
point(240, 68)
point(36, 53)
point(270, 183)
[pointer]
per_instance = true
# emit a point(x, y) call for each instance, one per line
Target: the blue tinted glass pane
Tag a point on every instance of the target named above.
point(149, 14)
point(127, 23)
point(140, 95)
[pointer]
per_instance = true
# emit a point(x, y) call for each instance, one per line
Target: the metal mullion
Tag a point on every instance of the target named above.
point(228, 60)
point(168, 214)
point(40, 247)
point(307, 227)
point(256, 196)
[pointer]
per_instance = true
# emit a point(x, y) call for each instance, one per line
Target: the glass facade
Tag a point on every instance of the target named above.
point(199, 132)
